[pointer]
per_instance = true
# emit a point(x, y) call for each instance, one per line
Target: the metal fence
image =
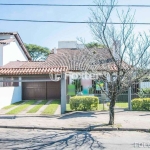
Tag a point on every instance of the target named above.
point(122, 98)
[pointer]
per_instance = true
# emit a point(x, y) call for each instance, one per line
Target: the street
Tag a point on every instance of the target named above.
point(72, 140)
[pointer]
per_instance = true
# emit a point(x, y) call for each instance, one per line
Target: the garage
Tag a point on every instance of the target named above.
point(41, 90)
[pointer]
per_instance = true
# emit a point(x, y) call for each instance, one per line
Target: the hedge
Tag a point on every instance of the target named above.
point(84, 103)
point(141, 104)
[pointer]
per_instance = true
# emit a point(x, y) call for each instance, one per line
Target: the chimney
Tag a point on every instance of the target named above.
point(55, 50)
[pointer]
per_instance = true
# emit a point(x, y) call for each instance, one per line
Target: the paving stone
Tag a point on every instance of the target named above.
point(30, 107)
point(4, 111)
point(43, 108)
point(57, 112)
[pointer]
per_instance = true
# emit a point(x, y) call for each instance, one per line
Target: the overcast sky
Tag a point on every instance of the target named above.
point(48, 34)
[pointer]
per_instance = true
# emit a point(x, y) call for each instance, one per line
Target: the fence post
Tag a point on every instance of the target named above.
point(129, 99)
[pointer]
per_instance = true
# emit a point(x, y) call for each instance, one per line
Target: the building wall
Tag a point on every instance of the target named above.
point(144, 85)
point(86, 84)
point(70, 45)
point(13, 52)
point(5, 36)
point(13, 95)
point(67, 44)
point(1, 55)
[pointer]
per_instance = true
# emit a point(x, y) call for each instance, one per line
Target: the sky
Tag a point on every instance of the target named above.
point(48, 34)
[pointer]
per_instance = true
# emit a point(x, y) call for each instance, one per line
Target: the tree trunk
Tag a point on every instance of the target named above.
point(111, 112)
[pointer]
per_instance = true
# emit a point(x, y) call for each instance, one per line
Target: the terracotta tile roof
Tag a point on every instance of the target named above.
point(29, 68)
point(79, 60)
point(63, 61)
point(18, 38)
point(6, 41)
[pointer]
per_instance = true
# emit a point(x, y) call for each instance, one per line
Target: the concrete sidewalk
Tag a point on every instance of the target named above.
point(124, 120)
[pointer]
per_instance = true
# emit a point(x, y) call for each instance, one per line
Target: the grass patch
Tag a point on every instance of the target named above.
point(122, 104)
point(21, 107)
point(37, 107)
point(12, 105)
point(51, 108)
point(68, 107)
point(100, 107)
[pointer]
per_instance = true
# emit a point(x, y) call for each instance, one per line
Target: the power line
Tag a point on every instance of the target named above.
point(73, 22)
point(68, 5)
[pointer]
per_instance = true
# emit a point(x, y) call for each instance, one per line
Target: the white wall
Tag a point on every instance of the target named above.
point(67, 44)
point(5, 36)
point(144, 85)
point(9, 95)
point(13, 52)
point(1, 55)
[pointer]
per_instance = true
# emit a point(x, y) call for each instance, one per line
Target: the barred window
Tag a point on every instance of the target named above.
point(10, 84)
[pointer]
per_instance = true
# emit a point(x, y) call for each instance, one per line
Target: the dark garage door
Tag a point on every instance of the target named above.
point(41, 90)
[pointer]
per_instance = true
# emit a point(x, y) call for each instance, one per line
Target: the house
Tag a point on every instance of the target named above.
point(11, 49)
point(34, 80)
point(64, 58)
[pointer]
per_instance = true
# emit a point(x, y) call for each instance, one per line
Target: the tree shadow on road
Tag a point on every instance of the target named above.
point(51, 140)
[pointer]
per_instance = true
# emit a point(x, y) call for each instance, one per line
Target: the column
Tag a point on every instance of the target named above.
point(20, 86)
point(63, 93)
point(129, 99)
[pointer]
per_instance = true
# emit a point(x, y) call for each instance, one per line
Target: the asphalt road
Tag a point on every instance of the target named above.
point(72, 140)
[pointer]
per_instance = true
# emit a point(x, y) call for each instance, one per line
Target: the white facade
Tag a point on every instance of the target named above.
point(10, 95)
point(70, 44)
point(11, 52)
point(144, 85)
point(1, 55)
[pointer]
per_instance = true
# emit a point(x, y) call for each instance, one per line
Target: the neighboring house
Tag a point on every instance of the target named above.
point(11, 49)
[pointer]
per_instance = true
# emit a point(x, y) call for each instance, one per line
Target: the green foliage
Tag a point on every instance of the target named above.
point(141, 104)
point(77, 83)
point(144, 93)
point(91, 90)
point(37, 52)
point(94, 45)
point(84, 103)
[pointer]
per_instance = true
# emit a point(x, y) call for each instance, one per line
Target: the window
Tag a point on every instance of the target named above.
point(10, 84)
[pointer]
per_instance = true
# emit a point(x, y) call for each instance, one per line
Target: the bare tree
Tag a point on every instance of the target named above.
point(129, 51)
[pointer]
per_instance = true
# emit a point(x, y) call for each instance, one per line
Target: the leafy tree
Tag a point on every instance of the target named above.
point(37, 53)
point(93, 45)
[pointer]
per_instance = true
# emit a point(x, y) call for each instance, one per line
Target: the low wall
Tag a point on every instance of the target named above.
point(9, 95)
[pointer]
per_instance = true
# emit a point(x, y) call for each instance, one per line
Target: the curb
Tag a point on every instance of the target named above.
point(26, 116)
point(76, 129)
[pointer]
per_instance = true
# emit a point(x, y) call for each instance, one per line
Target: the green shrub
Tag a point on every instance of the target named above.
point(84, 103)
point(144, 93)
point(141, 104)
